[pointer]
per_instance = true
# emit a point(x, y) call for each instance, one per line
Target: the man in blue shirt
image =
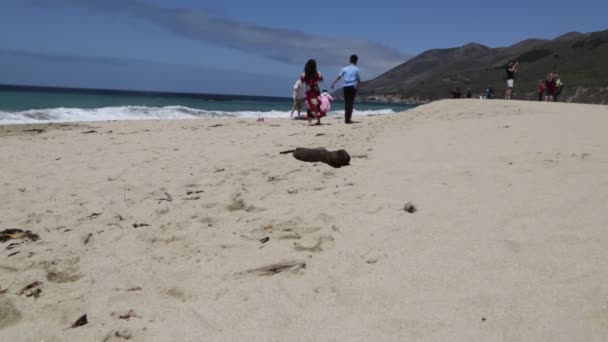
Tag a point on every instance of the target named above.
point(350, 75)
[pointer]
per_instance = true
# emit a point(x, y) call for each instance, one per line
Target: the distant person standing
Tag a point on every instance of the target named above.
point(541, 90)
point(298, 97)
point(559, 86)
point(351, 80)
point(511, 70)
point(469, 93)
point(550, 88)
point(311, 77)
point(489, 93)
point(456, 93)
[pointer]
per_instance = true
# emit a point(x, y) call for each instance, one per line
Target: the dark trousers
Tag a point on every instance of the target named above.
point(557, 93)
point(349, 102)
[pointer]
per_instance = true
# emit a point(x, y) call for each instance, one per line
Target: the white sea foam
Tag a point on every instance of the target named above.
point(143, 113)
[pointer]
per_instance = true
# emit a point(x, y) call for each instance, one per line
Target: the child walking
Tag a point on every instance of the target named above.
point(298, 97)
point(326, 100)
point(311, 77)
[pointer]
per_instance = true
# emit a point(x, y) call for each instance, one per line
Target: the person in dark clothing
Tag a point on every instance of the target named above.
point(351, 79)
point(456, 93)
point(469, 93)
point(489, 93)
point(559, 87)
point(551, 87)
point(511, 69)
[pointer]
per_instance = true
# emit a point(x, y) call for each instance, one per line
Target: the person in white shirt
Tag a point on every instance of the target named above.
point(298, 97)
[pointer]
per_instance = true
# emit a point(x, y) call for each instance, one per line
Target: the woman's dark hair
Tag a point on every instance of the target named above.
point(310, 69)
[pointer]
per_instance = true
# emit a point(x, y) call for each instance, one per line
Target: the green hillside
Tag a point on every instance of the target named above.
point(580, 59)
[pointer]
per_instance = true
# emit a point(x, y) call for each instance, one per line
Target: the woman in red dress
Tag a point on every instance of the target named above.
point(311, 77)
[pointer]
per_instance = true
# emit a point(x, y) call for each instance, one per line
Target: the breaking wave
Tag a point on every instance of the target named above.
point(143, 113)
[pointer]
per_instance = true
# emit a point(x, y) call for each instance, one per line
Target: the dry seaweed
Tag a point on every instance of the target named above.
point(29, 287)
point(81, 321)
point(168, 198)
point(15, 233)
point(35, 293)
point(34, 130)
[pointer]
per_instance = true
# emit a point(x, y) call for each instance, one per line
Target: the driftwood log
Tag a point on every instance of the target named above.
point(335, 159)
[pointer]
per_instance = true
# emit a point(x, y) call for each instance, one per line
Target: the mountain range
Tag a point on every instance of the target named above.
point(581, 60)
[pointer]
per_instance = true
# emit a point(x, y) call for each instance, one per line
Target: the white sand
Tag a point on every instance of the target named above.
point(509, 243)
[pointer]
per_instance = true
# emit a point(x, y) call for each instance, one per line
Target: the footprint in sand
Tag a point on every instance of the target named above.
point(62, 270)
point(238, 203)
point(293, 229)
point(374, 256)
point(207, 221)
point(69, 275)
point(270, 270)
point(319, 246)
point(177, 293)
point(9, 314)
point(118, 335)
point(162, 211)
point(360, 156)
point(325, 218)
point(512, 246)
point(289, 236)
point(274, 179)
point(295, 225)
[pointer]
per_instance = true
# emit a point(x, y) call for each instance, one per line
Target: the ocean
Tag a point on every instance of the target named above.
point(23, 105)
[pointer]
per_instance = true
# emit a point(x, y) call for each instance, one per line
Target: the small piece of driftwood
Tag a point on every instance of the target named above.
point(335, 159)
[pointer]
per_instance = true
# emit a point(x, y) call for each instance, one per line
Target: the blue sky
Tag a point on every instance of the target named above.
point(253, 47)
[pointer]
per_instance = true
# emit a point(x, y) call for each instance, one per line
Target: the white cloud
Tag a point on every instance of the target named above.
point(283, 45)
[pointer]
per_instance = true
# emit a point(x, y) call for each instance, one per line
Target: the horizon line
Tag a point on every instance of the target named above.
point(108, 91)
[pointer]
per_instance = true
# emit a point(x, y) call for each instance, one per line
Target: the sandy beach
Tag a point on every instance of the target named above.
point(201, 231)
